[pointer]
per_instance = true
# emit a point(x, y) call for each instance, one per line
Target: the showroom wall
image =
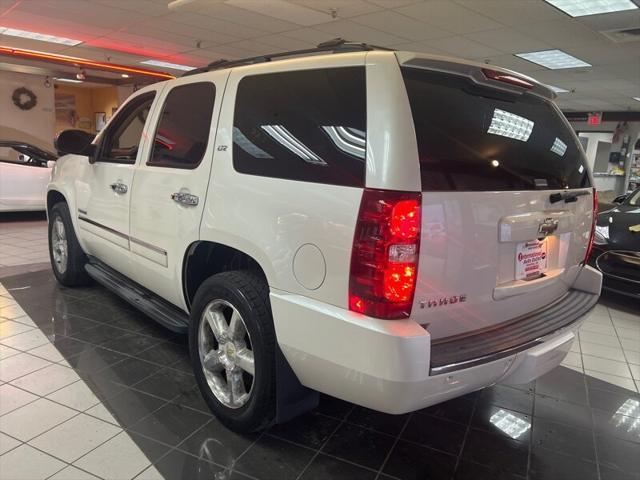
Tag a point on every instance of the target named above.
point(36, 125)
point(77, 106)
point(597, 145)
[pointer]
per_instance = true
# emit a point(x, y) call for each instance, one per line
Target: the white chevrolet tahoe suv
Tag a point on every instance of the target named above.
point(390, 228)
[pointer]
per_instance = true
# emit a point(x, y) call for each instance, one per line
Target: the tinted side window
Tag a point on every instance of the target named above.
point(122, 140)
point(183, 129)
point(306, 125)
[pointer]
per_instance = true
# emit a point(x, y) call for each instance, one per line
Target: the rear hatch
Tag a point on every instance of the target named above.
point(494, 246)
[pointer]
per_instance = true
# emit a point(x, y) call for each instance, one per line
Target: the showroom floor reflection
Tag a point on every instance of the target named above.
point(91, 388)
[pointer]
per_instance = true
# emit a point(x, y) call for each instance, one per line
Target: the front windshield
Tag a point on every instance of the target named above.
point(634, 199)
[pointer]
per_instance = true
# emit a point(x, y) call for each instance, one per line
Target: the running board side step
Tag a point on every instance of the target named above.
point(147, 302)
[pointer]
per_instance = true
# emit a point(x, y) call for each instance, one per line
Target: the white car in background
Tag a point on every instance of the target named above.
point(25, 171)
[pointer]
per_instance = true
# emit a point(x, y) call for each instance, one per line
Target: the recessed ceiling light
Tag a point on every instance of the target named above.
point(124, 75)
point(580, 8)
point(43, 37)
point(175, 66)
point(553, 59)
point(557, 89)
point(67, 80)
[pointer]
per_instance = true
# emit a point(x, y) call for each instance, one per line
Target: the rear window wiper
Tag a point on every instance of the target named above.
point(568, 197)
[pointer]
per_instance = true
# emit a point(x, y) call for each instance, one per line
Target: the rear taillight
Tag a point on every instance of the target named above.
point(506, 78)
point(384, 259)
point(593, 226)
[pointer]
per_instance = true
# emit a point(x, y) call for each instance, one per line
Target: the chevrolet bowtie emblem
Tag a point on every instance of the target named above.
point(635, 228)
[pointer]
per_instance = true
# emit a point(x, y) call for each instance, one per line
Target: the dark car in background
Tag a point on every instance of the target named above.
point(616, 249)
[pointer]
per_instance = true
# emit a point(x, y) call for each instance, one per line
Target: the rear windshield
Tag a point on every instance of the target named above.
point(475, 138)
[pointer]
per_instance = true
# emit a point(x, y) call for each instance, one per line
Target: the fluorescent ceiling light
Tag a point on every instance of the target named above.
point(175, 66)
point(291, 143)
point(43, 37)
point(68, 80)
point(247, 145)
point(557, 89)
point(636, 98)
point(553, 59)
point(349, 140)
point(559, 147)
point(580, 8)
point(510, 125)
point(510, 424)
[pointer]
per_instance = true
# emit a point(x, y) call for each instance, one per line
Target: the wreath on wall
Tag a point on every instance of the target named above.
point(24, 99)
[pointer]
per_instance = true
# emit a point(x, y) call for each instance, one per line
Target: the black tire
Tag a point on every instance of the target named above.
point(249, 295)
point(73, 274)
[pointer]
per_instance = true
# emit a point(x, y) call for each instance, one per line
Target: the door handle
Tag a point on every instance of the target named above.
point(119, 188)
point(185, 198)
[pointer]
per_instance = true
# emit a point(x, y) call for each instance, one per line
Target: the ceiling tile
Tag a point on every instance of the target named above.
point(421, 47)
point(52, 26)
point(308, 35)
point(457, 18)
point(508, 40)
point(392, 22)
point(280, 9)
point(463, 47)
point(227, 52)
point(343, 8)
point(560, 33)
point(391, 3)
point(603, 52)
point(137, 45)
point(89, 13)
point(160, 27)
point(359, 33)
point(284, 43)
point(204, 23)
point(223, 12)
point(514, 12)
point(612, 21)
point(254, 46)
point(146, 7)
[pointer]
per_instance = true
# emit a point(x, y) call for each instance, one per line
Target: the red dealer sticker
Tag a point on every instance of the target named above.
point(531, 259)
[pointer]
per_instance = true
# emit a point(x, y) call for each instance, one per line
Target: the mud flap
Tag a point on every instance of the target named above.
point(292, 398)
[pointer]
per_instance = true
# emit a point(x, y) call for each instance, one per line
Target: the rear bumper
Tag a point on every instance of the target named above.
point(385, 365)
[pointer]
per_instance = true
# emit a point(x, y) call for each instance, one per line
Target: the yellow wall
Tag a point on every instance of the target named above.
point(104, 100)
point(88, 102)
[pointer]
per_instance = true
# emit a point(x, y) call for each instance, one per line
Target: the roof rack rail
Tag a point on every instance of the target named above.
point(337, 45)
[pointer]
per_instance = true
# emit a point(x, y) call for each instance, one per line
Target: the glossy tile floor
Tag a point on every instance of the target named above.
point(89, 388)
point(23, 239)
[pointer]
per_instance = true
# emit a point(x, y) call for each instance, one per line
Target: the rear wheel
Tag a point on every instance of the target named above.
point(232, 345)
point(67, 258)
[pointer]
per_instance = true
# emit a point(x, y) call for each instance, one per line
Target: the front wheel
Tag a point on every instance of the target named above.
point(232, 345)
point(67, 258)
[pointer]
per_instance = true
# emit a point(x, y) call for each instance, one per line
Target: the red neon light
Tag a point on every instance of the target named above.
point(81, 62)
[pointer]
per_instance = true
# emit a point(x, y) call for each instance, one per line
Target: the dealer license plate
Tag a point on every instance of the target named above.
point(531, 259)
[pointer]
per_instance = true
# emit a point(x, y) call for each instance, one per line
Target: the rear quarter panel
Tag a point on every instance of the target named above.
point(270, 219)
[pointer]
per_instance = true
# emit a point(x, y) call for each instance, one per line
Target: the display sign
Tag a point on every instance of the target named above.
point(531, 259)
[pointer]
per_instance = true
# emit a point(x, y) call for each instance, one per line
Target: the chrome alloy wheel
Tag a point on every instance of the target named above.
point(59, 245)
point(224, 347)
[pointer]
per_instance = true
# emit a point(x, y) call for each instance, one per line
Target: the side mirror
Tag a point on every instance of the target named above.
point(77, 142)
point(620, 199)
